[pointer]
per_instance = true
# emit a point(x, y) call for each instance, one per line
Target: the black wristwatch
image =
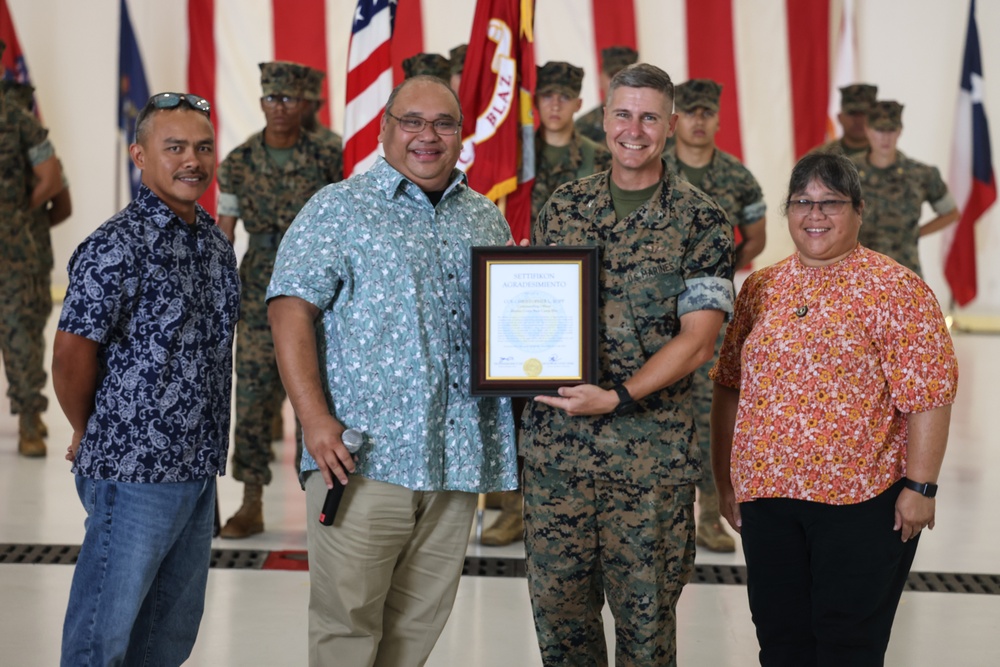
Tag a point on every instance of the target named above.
point(626, 405)
point(923, 488)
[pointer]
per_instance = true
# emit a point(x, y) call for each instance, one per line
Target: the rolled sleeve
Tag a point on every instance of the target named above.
point(753, 212)
point(41, 152)
point(944, 205)
point(229, 204)
point(706, 294)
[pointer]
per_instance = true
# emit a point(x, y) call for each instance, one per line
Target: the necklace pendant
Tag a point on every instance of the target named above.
point(801, 311)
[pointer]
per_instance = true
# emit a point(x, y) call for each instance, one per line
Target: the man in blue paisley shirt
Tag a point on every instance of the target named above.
point(142, 368)
point(370, 308)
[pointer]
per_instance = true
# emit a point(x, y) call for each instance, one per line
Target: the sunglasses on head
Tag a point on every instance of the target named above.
point(174, 100)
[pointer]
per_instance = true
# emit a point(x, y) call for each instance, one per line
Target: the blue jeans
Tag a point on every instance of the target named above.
point(139, 587)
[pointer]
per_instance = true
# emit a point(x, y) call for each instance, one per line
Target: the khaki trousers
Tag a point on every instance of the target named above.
point(384, 576)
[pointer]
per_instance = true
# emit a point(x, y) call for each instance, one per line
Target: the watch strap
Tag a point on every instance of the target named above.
point(926, 489)
point(626, 404)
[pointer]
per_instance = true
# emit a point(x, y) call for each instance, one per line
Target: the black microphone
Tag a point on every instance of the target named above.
point(353, 439)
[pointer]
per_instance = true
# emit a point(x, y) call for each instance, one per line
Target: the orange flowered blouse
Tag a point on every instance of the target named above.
point(833, 358)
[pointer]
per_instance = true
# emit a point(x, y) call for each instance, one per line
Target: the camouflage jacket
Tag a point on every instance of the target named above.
point(325, 135)
point(591, 125)
point(270, 196)
point(23, 145)
point(729, 184)
point(893, 199)
point(837, 147)
point(583, 159)
point(671, 256)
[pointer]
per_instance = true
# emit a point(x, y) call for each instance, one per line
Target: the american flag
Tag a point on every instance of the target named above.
point(369, 81)
point(972, 178)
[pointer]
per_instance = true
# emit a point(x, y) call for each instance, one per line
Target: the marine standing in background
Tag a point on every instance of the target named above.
point(457, 58)
point(264, 182)
point(696, 158)
point(855, 101)
point(431, 64)
point(613, 60)
point(30, 176)
point(43, 218)
point(561, 155)
point(313, 94)
point(895, 188)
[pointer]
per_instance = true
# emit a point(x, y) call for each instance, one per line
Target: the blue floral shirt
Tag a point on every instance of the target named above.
point(162, 299)
point(391, 274)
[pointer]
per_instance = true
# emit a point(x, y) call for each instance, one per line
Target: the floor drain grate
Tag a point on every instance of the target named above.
point(954, 582)
point(239, 559)
point(39, 554)
point(734, 575)
point(476, 566)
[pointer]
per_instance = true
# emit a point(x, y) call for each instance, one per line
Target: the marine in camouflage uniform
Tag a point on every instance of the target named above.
point(265, 186)
point(855, 101)
point(456, 58)
point(556, 163)
point(895, 188)
point(730, 185)
point(29, 174)
point(609, 493)
point(313, 93)
point(613, 60)
point(561, 155)
point(431, 64)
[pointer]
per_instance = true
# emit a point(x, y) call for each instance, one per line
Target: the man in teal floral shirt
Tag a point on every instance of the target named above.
point(370, 308)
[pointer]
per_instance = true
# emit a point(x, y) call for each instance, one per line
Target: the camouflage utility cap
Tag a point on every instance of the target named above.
point(457, 56)
point(697, 93)
point(433, 64)
point(22, 94)
point(313, 90)
point(886, 116)
point(857, 97)
point(616, 58)
point(283, 78)
point(560, 77)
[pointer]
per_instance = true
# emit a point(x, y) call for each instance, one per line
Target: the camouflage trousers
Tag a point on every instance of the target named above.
point(701, 395)
point(259, 393)
point(25, 305)
point(586, 538)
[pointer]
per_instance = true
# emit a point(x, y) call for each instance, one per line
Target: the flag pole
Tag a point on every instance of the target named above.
point(118, 172)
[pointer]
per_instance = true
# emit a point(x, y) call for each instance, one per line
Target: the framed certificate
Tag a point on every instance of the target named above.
point(534, 319)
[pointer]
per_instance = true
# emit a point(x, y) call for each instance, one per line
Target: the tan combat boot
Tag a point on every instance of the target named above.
point(30, 442)
point(711, 534)
point(43, 430)
point(509, 526)
point(249, 519)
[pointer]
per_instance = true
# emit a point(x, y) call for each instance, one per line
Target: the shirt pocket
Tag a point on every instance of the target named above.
point(653, 302)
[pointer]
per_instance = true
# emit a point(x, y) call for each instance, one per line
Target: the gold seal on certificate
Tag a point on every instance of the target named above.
point(534, 319)
point(532, 368)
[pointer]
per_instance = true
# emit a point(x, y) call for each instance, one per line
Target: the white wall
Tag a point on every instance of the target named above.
point(910, 48)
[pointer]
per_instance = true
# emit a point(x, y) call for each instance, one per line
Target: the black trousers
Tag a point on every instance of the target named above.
point(824, 581)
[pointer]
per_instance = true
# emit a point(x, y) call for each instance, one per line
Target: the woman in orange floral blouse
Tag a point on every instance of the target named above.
point(833, 395)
